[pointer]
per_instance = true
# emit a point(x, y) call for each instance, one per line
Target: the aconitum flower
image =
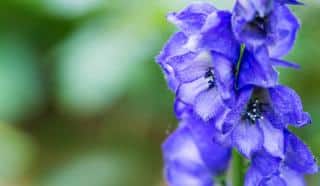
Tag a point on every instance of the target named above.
point(225, 100)
point(192, 158)
point(290, 170)
point(258, 119)
point(206, 82)
point(199, 61)
point(265, 23)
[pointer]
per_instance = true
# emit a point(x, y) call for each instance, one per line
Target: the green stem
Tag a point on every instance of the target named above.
point(238, 167)
point(243, 47)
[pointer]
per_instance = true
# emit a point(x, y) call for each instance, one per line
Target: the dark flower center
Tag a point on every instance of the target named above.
point(253, 111)
point(259, 24)
point(209, 76)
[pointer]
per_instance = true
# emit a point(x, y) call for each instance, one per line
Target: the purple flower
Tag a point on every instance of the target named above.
point(225, 100)
point(192, 158)
point(206, 81)
point(265, 23)
point(259, 117)
point(272, 171)
point(199, 61)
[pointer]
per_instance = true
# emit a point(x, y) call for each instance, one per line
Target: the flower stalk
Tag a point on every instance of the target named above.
point(238, 167)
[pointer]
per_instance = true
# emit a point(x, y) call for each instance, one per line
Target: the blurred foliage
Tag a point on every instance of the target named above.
point(82, 100)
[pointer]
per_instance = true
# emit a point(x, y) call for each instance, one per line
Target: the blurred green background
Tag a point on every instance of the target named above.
point(82, 102)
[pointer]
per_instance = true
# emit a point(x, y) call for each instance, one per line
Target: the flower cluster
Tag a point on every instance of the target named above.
point(222, 67)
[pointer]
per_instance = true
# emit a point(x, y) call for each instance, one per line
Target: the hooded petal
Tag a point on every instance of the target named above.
point(256, 69)
point(183, 161)
point(269, 23)
point(244, 9)
point(174, 47)
point(263, 7)
point(217, 36)
point(287, 106)
point(180, 146)
point(244, 13)
point(292, 177)
point(191, 19)
point(273, 138)
point(216, 155)
point(191, 156)
point(284, 26)
point(298, 156)
point(180, 62)
point(247, 138)
point(192, 66)
point(260, 7)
